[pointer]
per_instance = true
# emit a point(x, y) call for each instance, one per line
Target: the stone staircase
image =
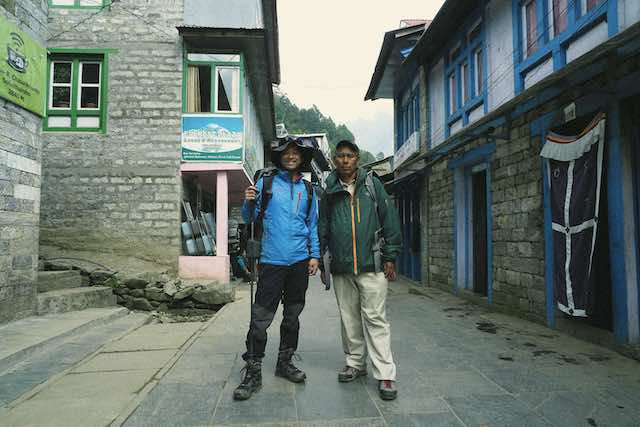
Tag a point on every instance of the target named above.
point(67, 290)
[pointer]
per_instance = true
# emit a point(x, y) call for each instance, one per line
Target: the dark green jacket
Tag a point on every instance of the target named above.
point(347, 227)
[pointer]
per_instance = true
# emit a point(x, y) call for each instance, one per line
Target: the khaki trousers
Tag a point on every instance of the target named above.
point(365, 329)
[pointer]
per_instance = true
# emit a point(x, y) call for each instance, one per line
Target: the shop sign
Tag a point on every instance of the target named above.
point(212, 138)
point(22, 68)
point(408, 149)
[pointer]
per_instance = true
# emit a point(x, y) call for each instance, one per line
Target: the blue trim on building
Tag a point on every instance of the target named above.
point(474, 156)
point(556, 48)
point(616, 223)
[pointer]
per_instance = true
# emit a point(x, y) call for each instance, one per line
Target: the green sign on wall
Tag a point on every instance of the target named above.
point(22, 68)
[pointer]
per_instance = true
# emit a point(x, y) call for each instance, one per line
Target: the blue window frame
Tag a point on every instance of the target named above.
point(408, 115)
point(465, 73)
point(543, 29)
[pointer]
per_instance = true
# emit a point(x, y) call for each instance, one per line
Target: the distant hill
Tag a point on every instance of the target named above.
point(311, 120)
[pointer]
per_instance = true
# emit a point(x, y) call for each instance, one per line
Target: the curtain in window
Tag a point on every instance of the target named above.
point(194, 103)
point(575, 165)
point(532, 23)
point(560, 10)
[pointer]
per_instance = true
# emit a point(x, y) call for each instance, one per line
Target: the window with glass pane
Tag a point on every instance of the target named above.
point(465, 82)
point(228, 89)
point(213, 57)
point(530, 22)
point(560, 15)
point(198, 89)
point(89, 85)
point(479, 72)
point(76, 85)
point(591, 4)
point(60, 94)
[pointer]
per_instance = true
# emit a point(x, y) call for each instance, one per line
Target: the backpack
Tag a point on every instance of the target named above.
point(267, 175)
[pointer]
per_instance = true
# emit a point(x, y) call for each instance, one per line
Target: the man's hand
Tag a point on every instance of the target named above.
point(390, 271)
point(250, 193)
point(314, 263)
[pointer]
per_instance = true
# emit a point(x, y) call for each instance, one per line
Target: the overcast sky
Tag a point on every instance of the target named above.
point(328, 50)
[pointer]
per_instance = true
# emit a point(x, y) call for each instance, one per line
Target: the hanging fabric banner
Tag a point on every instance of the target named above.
point(574, 167)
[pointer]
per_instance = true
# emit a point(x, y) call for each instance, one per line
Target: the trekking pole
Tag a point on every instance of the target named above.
point(253, 253)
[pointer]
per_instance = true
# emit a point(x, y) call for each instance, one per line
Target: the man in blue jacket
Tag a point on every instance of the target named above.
point(290, 254)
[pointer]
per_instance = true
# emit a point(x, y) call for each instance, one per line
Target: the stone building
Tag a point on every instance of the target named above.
point(151, 104)
point(23, 35)
point(485, 117)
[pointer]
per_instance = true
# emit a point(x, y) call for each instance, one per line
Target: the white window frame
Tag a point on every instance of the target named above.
point(235, 96)
point(464, 82)
point(52, 85)
point(478, 79)
point(81, 85)
point(453, 93)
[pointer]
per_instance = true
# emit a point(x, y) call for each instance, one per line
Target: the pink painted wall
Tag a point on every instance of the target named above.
point(205, 267)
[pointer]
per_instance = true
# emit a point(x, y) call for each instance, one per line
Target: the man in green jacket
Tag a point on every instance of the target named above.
point(362, 233)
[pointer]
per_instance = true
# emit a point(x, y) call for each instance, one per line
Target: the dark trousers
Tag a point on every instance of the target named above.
point(275, 283)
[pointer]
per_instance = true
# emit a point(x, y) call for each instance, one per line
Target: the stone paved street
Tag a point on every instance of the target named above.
point(457, 366)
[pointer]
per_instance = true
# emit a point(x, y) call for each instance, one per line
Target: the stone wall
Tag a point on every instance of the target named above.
point(120, 191)
point(20, 169)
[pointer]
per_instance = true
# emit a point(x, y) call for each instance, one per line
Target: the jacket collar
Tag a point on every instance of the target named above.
point(284, 174)
point(333, 181)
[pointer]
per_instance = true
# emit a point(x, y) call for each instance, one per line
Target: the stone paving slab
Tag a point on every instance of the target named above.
point(155, 337)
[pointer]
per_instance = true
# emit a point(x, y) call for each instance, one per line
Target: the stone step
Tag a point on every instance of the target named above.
point(55, 280)
point(25, 337)
point(64, 300)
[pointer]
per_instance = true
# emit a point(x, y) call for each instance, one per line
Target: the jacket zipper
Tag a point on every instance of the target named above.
point(353, 238)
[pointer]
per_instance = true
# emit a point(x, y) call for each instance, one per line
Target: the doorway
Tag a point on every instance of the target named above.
point(479, 231)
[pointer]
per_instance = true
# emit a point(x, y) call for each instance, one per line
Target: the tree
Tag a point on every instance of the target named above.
point(311, 120)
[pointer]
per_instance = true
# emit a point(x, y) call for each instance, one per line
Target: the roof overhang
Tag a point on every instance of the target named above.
point(390, 59)
point(438, 33)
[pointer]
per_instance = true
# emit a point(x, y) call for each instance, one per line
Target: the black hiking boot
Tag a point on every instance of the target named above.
point(286, 369)
point(251, 382)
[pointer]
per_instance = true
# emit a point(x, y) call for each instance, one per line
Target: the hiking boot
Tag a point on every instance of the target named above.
point(286, 369)
point(387, 389)
point(251, 382)
point(350, 373)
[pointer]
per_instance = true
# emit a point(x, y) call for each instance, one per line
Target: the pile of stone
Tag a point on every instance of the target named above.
point(152, 291)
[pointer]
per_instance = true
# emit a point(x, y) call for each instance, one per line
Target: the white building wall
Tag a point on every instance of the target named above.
point(628, 13)
point(589, 40)
point(436, 103)
point(538, 73)
point(499, 45)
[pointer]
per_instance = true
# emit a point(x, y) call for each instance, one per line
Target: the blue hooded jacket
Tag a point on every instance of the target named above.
point(289, 234)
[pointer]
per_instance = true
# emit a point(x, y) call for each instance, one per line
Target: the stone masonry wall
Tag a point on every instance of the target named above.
point(20, 168)
point(121, 191)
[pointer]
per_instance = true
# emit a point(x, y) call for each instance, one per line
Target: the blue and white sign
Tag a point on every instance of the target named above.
point(212, 138)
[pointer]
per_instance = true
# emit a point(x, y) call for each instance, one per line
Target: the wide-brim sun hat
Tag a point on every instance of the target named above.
point(305, 145)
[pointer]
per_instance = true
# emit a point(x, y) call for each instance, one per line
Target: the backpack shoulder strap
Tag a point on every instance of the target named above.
point(310, 190)
point(371, 189)
point(267, 176)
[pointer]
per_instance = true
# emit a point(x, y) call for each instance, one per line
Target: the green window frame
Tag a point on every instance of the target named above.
point(78, 113)
point(214, 65)
point(78, 4)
